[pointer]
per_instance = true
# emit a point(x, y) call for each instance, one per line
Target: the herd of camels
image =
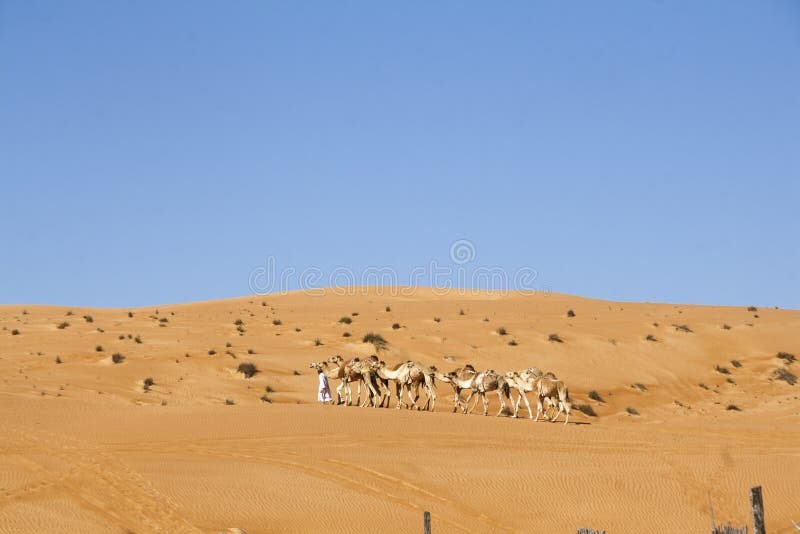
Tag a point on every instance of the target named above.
point(409, 377)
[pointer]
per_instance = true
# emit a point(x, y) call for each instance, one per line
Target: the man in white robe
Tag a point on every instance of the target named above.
point(324, 395)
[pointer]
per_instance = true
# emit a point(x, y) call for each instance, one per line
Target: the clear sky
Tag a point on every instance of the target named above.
point(158, 152)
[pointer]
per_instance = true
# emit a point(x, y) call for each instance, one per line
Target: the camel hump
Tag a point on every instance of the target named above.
point(469, 367)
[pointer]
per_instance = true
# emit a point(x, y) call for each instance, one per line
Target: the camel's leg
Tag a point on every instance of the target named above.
point(557, 413)
point(538, 408)
point(502, 403)
point(456, 398)
point(516, 405)
point(566, 411)
point(528, 404)
point(416, 395)
point(398, 389)
point(466, 402)
point(373, 391)
point(485, 404)
point(412, 399)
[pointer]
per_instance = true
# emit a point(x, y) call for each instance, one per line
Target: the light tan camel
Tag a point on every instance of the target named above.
point(356, 371)
point(461, 379)
point(486, 382)
point(336, 373)
point(522, 381)
point(409, 376)
point(556, 392)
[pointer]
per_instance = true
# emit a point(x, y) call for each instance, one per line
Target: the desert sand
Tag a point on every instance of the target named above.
point(86, 448)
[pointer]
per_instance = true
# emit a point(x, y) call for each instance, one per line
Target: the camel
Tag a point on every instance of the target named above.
point(356, 371)
point(461, 379)
point(335, 373)
point(408, 375)
point(522, 381)
point(487, 382)
point(556, 392)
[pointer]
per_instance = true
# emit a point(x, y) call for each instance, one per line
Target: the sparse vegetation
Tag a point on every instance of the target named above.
point(733, 408)
point(631, 410)
point(501, 331)
point(238, 322)
point(58, 359)
point(396, 326)
point(99, 348)
point(354, 314)
point(788, 358)
point(228, 345)
point(117, 357)
point(437, 319)
point(69, 313)
point(736, 363)
point(130, 315)
point(15, 332)
point(595, 396)
point(317, 342)
point(229, 402)
point(88, 318)
point(211, 352)
point(63, 325)
point(296, 372)
point(121, 337)
point(586, 409)
point(388, 308)
point(682, 328)
point(148, 383)
point(345, 320)
point(461, 312)
point(703, 385)
point(783, 374)
point(726, 326)
point(248, 369)
point(265, 398)
point(163, 320)
point(377, 340)
point(513, 343)
point(722, 370)
point(651, 337)
point(554, 338)
point(570, 313)
point(641, 387)
point(251, 351)
point(269, 389)
point(752, 309)
point(277, 322)
point(297, 329)
point(346, 334)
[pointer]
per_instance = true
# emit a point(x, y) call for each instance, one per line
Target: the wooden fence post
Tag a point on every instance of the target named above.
point(427, 522)
point(757, 504)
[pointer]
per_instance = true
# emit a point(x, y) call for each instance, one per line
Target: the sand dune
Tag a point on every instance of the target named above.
point(86, 448)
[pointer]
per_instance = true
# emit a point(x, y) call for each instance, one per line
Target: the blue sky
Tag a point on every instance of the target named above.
point(157, 152)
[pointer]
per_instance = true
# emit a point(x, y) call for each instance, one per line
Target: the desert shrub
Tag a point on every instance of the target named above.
point(682, 328)
point(317, 342)
point(736, 363)
point(513, 343)
point(148, 382)
point(377, 340)
point(461, 312)
point(58, 359)
point(229, 402)
point(570, 313)
point(15, 332)
point(641, 387)
point(354, 314)
point(485, 319)
point(265, 398)
point(121, 337)
point(586, 409)
point(388, 308)
point(651, 337)
point(784, 374)
point(251, 351)
point(117, 357)
point(231, 354)
point(163, 320)
point(277, 322)
point(241, 330)
point(346, 334)
point(395, 326)
point(437, 319)
point(595, 396)
point(101, 330)
point(730, 380)
point(211, 352)
point(62, 326)
point(88, 318)
point(69, 313)
point(726, 326)
point(631, 410)
point(248, 369)
point(733, 408)
point(789, 358)
point(345, 320)
point(501, 331)
point(722, 370)
point(752, 309)
point(269, 389)
point(238, 322)
point(296, 372)
point(702, 385)
point(555, 338)
point(138, 340)
point(130, 314)
point(99, 348)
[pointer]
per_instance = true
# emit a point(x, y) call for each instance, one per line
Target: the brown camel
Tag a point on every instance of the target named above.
point(487, 382)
